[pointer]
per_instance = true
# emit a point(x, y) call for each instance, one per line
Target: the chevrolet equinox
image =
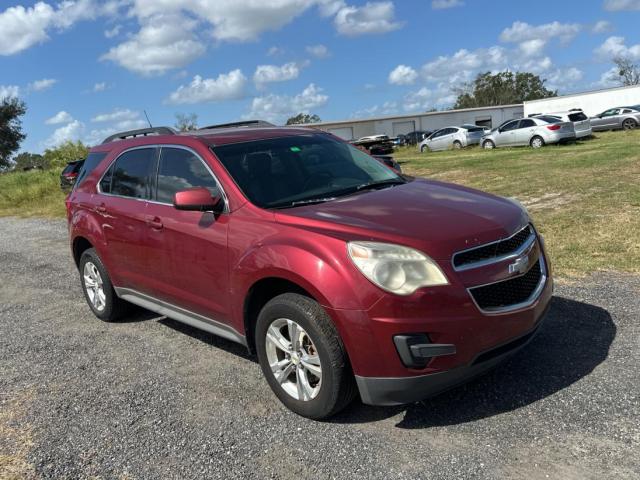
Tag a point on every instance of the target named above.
point(343, 276)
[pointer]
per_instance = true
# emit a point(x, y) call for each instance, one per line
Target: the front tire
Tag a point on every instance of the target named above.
point(424, 149)
point(537, 142)
point(98, 289)
point(629, 124)
point(488, 145)
point(302, 357)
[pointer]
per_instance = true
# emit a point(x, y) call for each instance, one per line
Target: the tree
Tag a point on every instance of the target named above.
point(628, 72)
point(69, 151)
point(28, 160)
point(303, 118)
point(186, 122)
point(11, 109)
point(502, 88)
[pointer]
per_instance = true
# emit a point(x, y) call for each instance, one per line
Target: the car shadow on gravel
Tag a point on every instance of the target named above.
point(573, 340)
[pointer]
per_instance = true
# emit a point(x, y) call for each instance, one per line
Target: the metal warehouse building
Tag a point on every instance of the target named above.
point(401, 124)
point(591, 102)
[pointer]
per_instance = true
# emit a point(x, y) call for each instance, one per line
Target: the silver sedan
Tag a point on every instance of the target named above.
point(625, 118)
point(452, 137)
point(535, 132)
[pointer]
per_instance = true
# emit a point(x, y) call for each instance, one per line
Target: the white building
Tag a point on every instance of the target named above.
point(399, 124)
point(592, 103)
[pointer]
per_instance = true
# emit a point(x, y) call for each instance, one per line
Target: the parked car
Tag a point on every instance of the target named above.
point(625, 118)
point(375, 145)
point(581, 123)
point(414, 138)
point(535, 132)
point(389, 161)
point(452, 137)
point(70, 174)
point(343, 276)
point(400, 140)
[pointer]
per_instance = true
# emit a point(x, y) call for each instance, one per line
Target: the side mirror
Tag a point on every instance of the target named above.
point(197, 199)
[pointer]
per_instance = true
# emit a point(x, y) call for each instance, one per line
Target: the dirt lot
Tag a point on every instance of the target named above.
point(150, 398)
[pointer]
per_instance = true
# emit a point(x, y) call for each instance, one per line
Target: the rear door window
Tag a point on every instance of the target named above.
point(527, 123)
point(132, 173)
point(181, 169)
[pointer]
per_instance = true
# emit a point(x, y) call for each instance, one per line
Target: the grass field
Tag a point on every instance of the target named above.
point(585, 198)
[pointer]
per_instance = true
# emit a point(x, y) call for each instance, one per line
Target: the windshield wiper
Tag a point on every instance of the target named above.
point(309, 201)
point(383, 183)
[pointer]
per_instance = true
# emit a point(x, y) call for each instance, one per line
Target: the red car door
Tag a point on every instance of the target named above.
point(122, 201)
point(188, 250)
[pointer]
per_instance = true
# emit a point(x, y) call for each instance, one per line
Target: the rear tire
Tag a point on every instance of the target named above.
point(629, 124)
point(488, 145)
point(424, 149)
point(457, 145)
point(98, 289)
point(537, 142)
point(310, 375)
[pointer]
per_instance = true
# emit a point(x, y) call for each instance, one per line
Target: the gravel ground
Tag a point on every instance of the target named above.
point(150, 398)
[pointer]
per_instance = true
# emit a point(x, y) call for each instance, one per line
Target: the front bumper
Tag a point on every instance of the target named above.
point(385, 391)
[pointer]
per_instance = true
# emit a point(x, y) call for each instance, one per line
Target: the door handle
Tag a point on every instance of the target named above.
point(154, 222)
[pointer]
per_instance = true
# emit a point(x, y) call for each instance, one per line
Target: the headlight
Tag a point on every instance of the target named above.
point(396, 269)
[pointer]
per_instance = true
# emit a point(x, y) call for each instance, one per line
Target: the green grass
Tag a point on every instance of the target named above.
point(584, 198)
point(31, 194)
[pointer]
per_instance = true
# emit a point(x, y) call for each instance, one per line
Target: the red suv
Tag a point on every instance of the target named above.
point(342, 275)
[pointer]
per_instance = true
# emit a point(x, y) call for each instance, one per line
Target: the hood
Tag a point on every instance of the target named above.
point(435, 217)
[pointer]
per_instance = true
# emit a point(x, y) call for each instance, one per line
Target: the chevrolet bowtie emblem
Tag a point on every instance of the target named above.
point(520, 265)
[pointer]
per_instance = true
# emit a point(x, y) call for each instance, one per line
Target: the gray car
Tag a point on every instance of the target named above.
point(535, 132)
point(452, 137)
point(619, 118)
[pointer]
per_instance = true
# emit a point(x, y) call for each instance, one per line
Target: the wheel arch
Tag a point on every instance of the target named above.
point(79, 246)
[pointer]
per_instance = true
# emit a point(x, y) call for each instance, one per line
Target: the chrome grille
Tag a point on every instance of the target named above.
point(493, 252)
point(511, 293)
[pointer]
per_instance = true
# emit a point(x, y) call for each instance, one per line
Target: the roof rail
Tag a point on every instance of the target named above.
point(245, 123)
point(142, 132)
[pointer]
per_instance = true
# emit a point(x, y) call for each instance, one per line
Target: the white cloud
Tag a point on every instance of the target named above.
point(521, 32)
point(9, 91)
point(275, 51)
point(118, 115)
point(443, 4)
point(608, 79)
point(402, 75)
point(273, 73)
point(22, 28)
point(532, 48)
point(113, 32)
point(387, 108)
point(371, 18)
point(228, 86)
point(318, 51)
point(59, 118)
point(41, 85)
point(276, 108)
point(463, 65)
point(164, 42)
point(565, 79)
point(70, 132)
point(615, 47)
point(601, 26)
point(621, 5)
point(100, 87)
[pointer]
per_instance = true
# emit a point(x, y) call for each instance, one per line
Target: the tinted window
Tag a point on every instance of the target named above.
point(131, 173)
point(439, 133)
point(609, 113)
point(577, 117)
point(181, 169)
point(90, 163)
point(105, 183)
point(549, 119)
point(510, 126)
point(451, 130)
point(281, 171)
point(626, 110)
point(527, 123)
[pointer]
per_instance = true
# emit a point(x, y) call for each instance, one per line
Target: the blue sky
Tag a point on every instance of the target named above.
point(87, 68)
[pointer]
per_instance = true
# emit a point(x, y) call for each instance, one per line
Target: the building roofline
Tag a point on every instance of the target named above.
point(412, 115)
point(580, 94)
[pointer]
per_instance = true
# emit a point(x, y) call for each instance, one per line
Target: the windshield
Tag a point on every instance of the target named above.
point(289, 171)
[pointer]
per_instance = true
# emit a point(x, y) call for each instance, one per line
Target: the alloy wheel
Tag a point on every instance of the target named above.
point(293, 359)
point(628, 124)
point(94, 286)
point(537, 142)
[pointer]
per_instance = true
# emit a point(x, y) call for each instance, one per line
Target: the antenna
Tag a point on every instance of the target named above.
point(145, 114)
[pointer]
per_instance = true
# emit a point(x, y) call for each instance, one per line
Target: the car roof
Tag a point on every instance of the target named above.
point(210, 137)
